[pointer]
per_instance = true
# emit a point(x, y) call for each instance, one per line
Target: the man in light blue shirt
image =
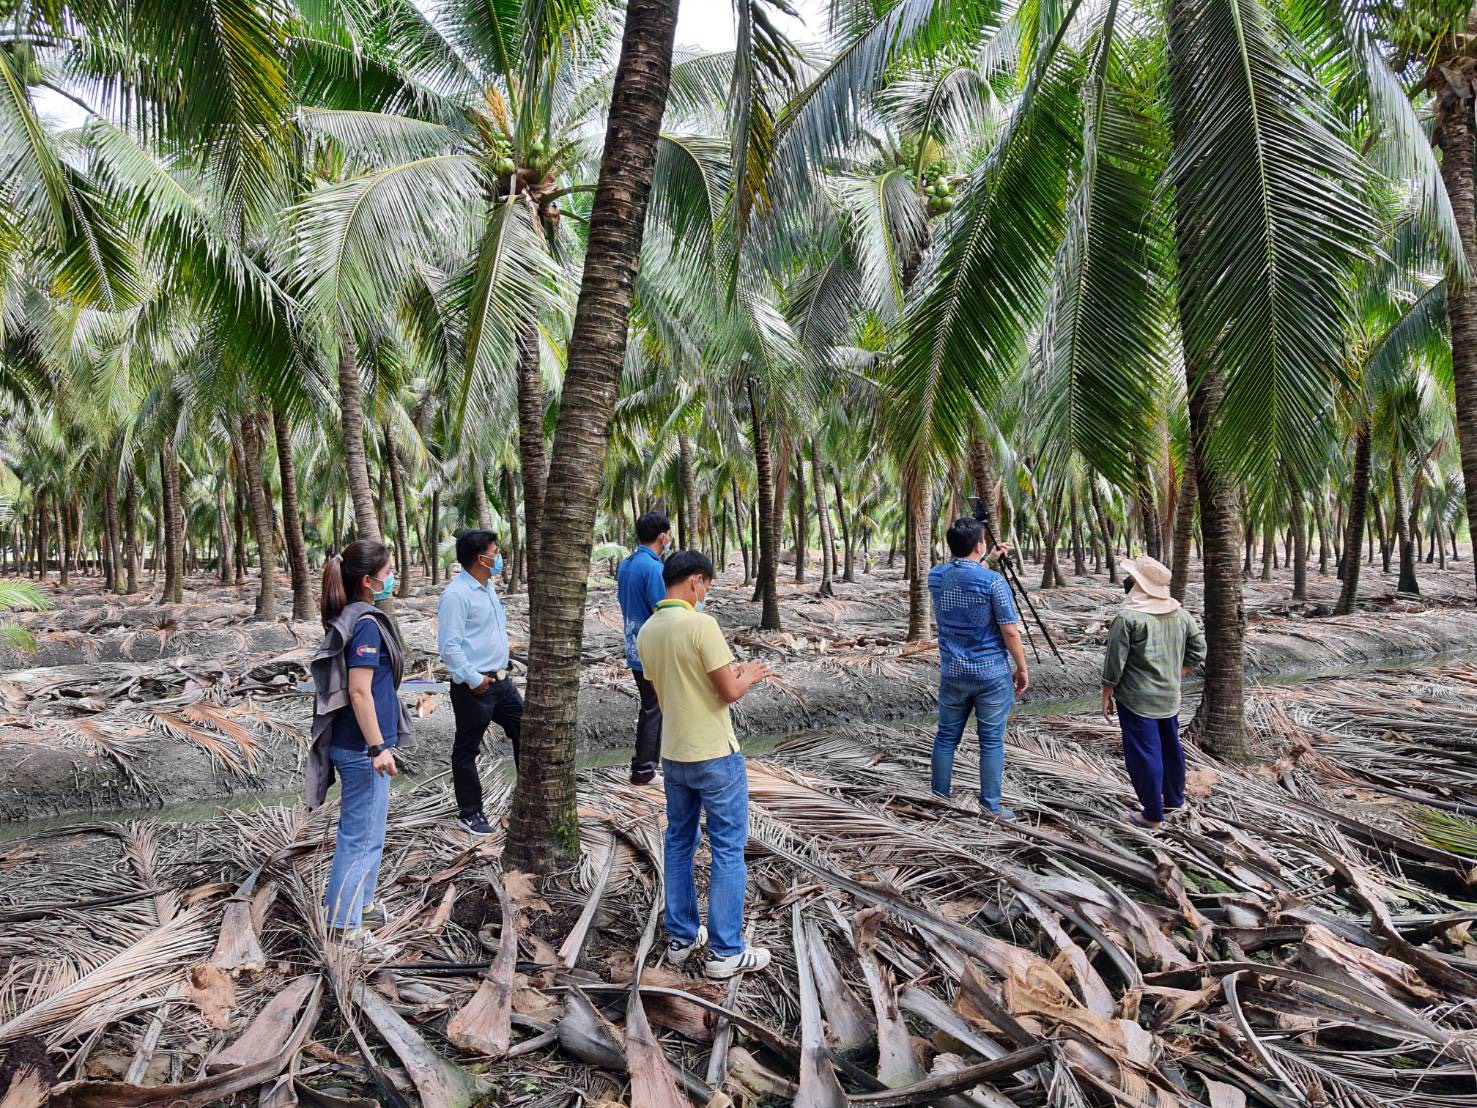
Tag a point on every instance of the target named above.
point(472, 635)
point(639, 589)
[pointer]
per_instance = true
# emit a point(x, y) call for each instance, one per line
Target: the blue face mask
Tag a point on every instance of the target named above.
point(700, 606)
point(384, 591)
point(497, 566)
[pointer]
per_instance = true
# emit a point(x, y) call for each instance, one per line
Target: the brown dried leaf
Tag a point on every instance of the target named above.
point(212, 991)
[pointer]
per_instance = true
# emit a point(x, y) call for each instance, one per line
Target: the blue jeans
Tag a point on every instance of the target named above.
point(364, 802)
point(990, 699)
point(719, 787)
point(1155, 761)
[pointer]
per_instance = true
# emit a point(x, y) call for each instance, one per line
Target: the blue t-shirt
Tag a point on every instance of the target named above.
point(365, 650)
point(970, 602)
point(639, 588)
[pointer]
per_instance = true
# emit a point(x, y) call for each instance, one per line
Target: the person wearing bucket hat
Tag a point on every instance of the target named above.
point(1152, 643)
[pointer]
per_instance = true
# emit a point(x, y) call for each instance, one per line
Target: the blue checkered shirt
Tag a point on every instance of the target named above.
point(970, 602)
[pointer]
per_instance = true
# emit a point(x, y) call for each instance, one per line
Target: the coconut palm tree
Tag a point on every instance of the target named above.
point(1106, 218)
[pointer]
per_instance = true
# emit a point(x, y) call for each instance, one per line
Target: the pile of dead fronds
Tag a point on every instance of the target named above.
point(1272, 946)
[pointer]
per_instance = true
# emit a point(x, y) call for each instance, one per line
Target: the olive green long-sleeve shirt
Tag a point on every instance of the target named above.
point(1146, 655)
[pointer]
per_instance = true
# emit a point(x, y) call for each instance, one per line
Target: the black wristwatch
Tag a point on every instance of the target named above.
point(376, 750)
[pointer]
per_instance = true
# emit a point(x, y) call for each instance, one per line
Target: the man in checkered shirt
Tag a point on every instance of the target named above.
point(979, 636)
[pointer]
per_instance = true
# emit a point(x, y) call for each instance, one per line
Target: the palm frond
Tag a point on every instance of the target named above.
point(1272, 218)
point(506, 292)
point(985, 281)
point(377, 137)
point(354, 242)
point(1103, 342)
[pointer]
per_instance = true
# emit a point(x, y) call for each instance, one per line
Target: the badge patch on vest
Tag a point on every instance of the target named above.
point(364, 650)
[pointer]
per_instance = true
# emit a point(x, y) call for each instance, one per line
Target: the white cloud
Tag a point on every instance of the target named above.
point(708, 24)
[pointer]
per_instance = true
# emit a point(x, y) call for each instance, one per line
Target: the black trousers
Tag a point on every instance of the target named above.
point(647, 762)
point(499, 703)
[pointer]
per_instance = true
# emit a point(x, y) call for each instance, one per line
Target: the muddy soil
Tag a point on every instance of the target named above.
point(127, 703)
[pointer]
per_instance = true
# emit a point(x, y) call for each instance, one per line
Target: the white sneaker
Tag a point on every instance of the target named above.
point(362, 942)
point(745, 961)
point(678, 952)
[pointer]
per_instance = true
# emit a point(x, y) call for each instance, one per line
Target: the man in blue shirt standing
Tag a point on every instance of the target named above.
point(472, 635)
point(979, 635)
point(639, 589)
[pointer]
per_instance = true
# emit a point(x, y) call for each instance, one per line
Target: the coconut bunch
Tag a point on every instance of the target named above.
point(938, 190)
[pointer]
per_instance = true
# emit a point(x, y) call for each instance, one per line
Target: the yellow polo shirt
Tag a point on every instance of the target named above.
point(679, 647)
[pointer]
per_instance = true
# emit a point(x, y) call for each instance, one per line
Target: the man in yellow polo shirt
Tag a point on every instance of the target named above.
point(687, 660)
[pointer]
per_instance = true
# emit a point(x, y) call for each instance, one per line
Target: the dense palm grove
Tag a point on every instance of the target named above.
point(1189, 279)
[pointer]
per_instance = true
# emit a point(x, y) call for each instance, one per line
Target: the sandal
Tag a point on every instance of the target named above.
point(1137, 819)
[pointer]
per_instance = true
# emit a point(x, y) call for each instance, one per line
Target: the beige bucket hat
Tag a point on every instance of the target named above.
point(1152, 576)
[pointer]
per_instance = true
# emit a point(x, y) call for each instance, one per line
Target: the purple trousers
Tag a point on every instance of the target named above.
point(1155, 761)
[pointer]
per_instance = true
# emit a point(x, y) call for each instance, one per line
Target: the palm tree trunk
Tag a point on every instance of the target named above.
point(479, 497)
point(532, 461)
point(174, 526)
point(802, 523)
point(1358, 505)
point(1269, 544)
point(397, 491)
point(1220, 720)
point(130, 523)
point(64, 539)
point(356, 463)
point(261, 517)
point(1299, 538)
point(769, 538)
point(1382, 526)
point(115, 535)
point(303, 601)
point(982, 469)
point(1148, 516)
point(42, 538)
point(848, 542)
point(1320, 517)
point(1408, 582)
point(1104, 526)
point(738, 522)
point(754, 538)
point(543, 826)
point(223, 529)
point(1051, 572)
point(1079, 561)
point(915, 553)
point(824, 512)
point(722, 535)
point(1453, 86)
point(1184, 528)
point(433, 538)
point(517, 548)
point(687, 532)
point(238, 497)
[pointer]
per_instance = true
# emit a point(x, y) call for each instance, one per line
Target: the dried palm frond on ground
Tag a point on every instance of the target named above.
point(1301, 935)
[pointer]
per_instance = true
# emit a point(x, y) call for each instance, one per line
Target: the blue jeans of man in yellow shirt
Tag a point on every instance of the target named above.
point(720, 787)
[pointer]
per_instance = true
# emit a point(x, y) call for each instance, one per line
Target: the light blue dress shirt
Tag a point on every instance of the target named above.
point(472, 629)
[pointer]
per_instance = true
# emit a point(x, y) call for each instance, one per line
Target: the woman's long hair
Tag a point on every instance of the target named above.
point(360, 558)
